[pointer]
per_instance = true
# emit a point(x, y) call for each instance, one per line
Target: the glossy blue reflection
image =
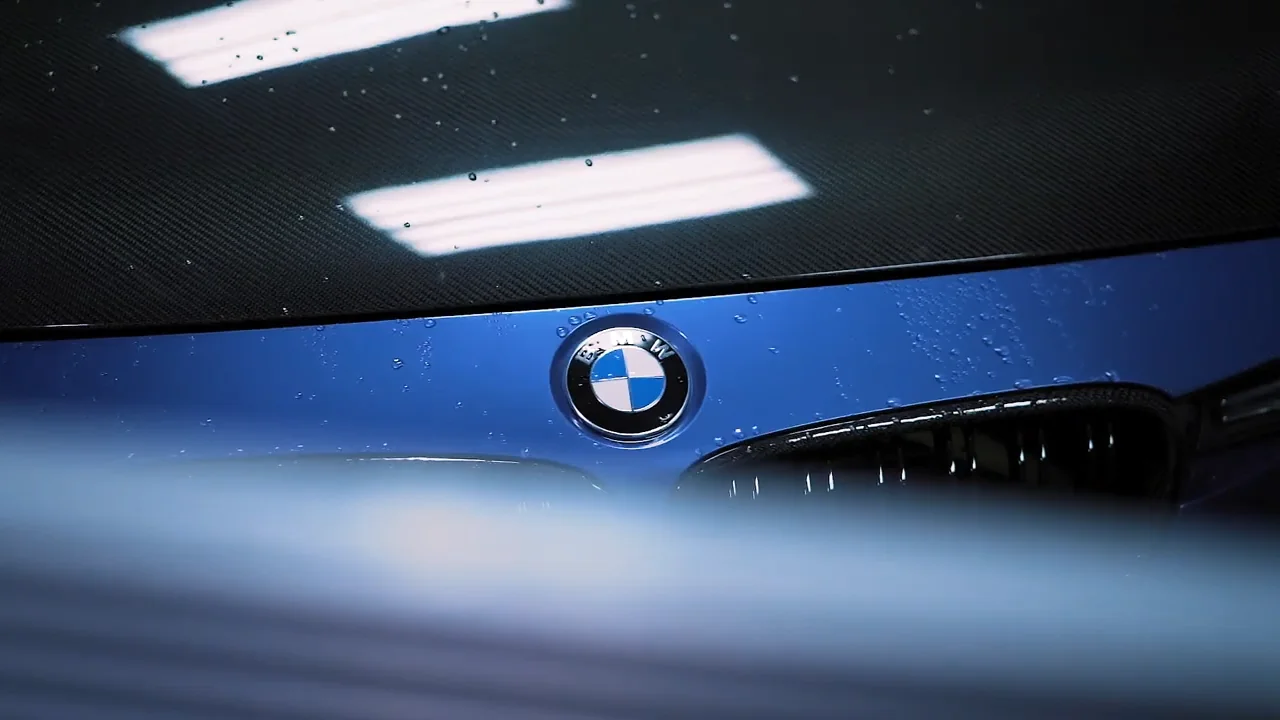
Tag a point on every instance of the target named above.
point(479, 384)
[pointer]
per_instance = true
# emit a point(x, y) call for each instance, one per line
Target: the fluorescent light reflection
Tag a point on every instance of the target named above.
point(569, 198)
point(252, 36)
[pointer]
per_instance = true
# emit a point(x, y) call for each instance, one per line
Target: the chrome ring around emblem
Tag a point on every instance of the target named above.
point(628, 384)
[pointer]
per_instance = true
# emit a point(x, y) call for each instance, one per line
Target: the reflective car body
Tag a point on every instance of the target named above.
point(291, 289)
point(264, 228)
point(482, 385)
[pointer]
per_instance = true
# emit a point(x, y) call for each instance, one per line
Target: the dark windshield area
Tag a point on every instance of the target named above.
point(178, 161)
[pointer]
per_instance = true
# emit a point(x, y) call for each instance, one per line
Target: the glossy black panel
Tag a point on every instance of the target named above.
point(927, 132)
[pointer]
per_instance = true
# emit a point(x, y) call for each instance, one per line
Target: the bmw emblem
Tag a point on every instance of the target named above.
point(630, 384)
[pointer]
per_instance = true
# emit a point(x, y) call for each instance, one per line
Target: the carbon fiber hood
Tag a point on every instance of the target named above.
point(928, 132)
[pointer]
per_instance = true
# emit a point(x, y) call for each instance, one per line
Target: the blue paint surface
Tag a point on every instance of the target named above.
point(479, 384)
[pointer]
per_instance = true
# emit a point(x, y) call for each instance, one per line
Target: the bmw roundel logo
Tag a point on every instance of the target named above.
point(629, 384)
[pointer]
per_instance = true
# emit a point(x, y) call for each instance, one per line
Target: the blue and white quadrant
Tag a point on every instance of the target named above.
point(628, 379)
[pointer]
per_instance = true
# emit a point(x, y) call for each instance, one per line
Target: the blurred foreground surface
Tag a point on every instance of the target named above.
point(138, 595)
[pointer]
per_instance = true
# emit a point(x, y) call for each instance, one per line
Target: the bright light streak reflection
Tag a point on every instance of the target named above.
point(246, 38)
point(570, 198)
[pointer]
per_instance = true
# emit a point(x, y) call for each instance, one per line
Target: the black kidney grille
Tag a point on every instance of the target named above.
point(1108, 442)
point(527, 484)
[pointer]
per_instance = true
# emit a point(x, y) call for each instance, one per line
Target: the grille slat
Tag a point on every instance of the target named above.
point(1111, 442)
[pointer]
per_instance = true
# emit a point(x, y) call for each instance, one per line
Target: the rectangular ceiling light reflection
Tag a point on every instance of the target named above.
point(582, 196)
point(249, 37)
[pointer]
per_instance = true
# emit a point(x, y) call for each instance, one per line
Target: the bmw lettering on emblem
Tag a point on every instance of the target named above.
point(627, 383)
